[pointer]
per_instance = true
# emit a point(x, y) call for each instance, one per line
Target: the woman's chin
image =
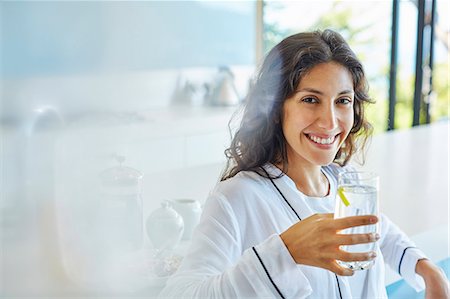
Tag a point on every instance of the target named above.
point(324, 161)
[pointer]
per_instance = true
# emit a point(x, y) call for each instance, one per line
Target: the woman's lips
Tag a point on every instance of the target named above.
point(322, 140)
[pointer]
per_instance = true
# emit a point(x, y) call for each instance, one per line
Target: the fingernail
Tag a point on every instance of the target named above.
point(373, 220)
point(373, 255)
point(374, 237)
point(349, 272)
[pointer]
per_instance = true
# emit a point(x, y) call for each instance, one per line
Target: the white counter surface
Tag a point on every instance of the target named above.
point(414, 176)
point(414, 185)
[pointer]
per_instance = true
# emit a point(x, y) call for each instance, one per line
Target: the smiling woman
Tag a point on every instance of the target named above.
point(267, 230)
point(293, 70)
point(319, 116)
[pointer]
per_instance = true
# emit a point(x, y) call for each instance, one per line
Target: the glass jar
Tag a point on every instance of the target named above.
point(120, 207)
point(101, 231)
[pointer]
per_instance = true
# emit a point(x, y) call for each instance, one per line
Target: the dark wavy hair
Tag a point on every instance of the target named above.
point(259, 138)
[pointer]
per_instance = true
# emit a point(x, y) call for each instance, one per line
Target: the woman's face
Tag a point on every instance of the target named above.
point(319, 116)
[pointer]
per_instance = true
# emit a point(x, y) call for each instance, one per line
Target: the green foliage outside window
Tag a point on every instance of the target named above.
point(339, 18)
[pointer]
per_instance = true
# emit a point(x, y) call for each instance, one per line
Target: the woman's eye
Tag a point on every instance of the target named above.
point(309, 100)
point(344, 101)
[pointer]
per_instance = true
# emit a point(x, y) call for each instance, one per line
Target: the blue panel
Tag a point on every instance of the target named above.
point(40, 38)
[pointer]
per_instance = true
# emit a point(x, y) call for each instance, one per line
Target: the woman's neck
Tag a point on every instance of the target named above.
point(310, 180)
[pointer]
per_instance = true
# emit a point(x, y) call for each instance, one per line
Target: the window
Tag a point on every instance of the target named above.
point(368, 32)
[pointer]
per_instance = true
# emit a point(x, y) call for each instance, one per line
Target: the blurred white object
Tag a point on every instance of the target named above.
point(223, 91)
point(190, 210)
point(101, 229)
point(44, 118)
point(165, 227)
point(121, 206)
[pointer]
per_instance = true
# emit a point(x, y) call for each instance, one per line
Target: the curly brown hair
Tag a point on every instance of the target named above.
point(259, 138)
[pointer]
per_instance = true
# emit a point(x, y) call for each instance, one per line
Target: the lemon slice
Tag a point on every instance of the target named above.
point(342, 196)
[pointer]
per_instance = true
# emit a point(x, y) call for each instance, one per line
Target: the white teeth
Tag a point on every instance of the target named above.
point(319, 140)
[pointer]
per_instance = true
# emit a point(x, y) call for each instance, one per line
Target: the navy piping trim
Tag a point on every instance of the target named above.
point(267, 272)
point(339, 286)
point(401, 259)
point(281, 193)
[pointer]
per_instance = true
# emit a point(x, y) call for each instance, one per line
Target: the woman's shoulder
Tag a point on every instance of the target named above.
point(243, 182)
point(239, 194)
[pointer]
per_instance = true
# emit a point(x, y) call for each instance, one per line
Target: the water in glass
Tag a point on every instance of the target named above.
point(360, 198)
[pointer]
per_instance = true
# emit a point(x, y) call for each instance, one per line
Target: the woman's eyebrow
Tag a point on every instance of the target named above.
point(307, 89)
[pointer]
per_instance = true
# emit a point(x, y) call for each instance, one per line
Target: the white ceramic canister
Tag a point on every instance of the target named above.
point(190, 210)
point(165, 227)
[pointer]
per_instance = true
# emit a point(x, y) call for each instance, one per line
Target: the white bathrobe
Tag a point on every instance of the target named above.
point(236, 250)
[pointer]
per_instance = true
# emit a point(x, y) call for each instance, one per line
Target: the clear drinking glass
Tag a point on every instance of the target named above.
point(358, 195)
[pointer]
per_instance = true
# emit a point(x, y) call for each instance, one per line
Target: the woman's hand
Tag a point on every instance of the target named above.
point(436, 284)
point(315, 241)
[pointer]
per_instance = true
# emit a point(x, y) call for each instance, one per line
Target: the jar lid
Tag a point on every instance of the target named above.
point(121, 176)
point(165, 211)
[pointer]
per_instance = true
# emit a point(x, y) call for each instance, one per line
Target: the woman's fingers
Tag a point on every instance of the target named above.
point(316, 241)
point(356, 256)
point(352, 239)
point(347, 222)
point(339, 270)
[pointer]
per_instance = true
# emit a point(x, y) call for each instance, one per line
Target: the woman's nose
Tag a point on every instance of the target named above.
point(327, 119)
